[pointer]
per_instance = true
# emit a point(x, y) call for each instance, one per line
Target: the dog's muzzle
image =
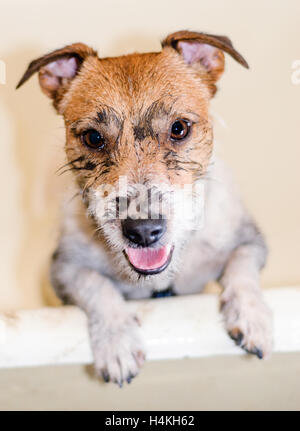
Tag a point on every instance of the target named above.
point(143, 233)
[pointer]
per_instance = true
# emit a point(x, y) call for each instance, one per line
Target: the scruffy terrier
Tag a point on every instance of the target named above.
point(139, 140)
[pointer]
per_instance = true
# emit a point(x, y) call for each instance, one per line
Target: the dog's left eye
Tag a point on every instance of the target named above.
point(180, 130)
point(93, 139)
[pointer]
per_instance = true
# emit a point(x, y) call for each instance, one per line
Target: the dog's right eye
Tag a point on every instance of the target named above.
point(180, 129)
point(93, 139)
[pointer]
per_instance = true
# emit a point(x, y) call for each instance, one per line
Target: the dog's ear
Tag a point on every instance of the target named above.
point(204, 50)
point(58, 68)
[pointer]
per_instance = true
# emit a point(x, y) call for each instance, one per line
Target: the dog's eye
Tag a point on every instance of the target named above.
point(93, 139)
point(180, 129)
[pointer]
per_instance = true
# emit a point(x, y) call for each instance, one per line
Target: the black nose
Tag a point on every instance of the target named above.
point(144, 232)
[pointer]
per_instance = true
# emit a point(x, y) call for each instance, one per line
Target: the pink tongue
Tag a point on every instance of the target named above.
point(148, 258)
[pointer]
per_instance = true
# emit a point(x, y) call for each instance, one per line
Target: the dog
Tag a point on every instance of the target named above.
point(144, 119)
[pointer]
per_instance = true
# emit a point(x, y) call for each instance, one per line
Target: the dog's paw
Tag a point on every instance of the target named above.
point(118, 350)
point(248, 321)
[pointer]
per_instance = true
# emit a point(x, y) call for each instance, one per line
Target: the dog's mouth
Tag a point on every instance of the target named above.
point(149, 261)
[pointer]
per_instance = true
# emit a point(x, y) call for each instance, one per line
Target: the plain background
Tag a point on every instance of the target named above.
point(256, 119)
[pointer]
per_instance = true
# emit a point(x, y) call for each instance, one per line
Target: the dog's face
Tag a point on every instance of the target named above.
point(138, 138)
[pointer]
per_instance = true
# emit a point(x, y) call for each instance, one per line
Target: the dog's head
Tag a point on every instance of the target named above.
point(138, 138)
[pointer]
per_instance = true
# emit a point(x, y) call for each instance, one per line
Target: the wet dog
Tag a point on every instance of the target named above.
point(157, 211)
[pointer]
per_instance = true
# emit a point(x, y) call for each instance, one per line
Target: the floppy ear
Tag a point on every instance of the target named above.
point(204, 50)
point(58, 68)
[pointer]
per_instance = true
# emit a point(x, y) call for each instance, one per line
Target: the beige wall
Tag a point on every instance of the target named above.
point(260, 109)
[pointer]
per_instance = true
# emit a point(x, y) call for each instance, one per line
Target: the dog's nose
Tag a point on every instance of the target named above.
point(144, 232)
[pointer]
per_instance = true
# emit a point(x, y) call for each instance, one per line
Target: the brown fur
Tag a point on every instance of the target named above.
point(135, 111)
point(132, 102)
point(146, 93)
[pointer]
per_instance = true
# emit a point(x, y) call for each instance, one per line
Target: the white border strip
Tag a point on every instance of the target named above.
point(173, 328)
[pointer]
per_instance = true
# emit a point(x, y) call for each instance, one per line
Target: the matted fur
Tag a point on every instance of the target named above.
point(132, 101)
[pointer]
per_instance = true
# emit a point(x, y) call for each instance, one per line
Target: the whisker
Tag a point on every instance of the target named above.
point(78, 159)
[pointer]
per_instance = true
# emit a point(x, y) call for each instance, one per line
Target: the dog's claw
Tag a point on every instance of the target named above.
point(105, 376)
point(237, 337)
point(255, 351)
point(118, 382)
point(259, 353)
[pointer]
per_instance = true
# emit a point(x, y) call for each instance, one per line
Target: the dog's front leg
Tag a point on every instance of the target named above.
point(247, 318)
point(116, 345)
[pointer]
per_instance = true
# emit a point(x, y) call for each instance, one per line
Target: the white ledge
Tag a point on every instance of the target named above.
point(173, 328)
